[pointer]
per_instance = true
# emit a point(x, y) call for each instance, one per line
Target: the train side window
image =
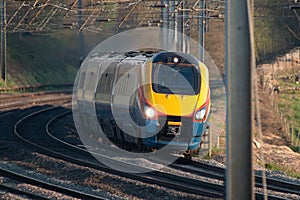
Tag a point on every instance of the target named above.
point(126, 82)
point(105, 84)
point(91, 81)
point(82, 80)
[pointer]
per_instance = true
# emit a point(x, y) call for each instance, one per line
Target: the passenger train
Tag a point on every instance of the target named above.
point(147, 99)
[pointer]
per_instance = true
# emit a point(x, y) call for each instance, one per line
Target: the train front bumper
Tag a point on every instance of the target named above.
point(183, 138)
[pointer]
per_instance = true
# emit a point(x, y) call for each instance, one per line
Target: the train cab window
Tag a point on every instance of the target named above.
point(174, 74)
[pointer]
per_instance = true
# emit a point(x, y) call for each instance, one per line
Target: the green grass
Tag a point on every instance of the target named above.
point(8, 83)
point(40, 60)
point(217, 151)
point(276, 167)
point(289, 105)
point(46, 59)
point(296, 148)
point(270, 26)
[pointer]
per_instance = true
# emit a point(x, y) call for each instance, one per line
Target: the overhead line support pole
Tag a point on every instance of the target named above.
point(81, 37)
point(172, 18)
point(186, 29)
point(239, 173)
point(165, 22)
point(179, 25)
point(3, 41)
point(201, 30)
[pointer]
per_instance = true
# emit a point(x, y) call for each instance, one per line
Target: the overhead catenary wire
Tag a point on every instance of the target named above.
point(26, 16)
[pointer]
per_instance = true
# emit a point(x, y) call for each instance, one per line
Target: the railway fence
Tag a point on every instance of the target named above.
point(282, 78)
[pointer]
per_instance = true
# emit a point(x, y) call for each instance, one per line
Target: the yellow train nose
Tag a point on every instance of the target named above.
point(177, 105)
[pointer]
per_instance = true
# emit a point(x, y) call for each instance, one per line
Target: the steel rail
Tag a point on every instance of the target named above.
point(6, 106)
point(272, 184)
point(171, 181)
point(34, 88)
point(213, 171)
point(185, 182)
point(47, 185)
point(199, 169)
point(16, 191)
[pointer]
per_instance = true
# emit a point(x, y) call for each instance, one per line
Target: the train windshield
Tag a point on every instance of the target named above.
point(175, 78)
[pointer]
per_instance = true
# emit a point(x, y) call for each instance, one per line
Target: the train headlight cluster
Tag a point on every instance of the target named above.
point(150, 112)
point(200, 114)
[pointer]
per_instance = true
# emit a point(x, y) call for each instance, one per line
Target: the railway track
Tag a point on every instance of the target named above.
point(215, 172)
point(41, 184)
point(72, 154)
point(183, 183)
point(219, 173)
point(14, 190)
point(192, 167)
point(9, 102)
point(16, 101)
point(28, 89)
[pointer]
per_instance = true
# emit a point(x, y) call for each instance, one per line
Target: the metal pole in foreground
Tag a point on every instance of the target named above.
point(3, 42)
point(239, 174)
point(81, 36)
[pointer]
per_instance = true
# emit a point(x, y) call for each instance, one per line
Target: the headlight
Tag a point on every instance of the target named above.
point(150, 112)
point(200, 114)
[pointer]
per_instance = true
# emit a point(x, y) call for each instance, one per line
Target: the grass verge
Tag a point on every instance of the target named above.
point(276, 167)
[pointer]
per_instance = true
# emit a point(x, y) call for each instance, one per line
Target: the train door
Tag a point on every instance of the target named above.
point(103, 94)
point(91, 84)
point(89, 88)
point(125, 86)
point(80, 87)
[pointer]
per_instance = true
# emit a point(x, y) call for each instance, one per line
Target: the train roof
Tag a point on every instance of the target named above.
point(141, 56)
point(138, 55)
point(175, 57)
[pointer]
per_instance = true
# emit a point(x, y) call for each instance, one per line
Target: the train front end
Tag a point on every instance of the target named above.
point(176, 103)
